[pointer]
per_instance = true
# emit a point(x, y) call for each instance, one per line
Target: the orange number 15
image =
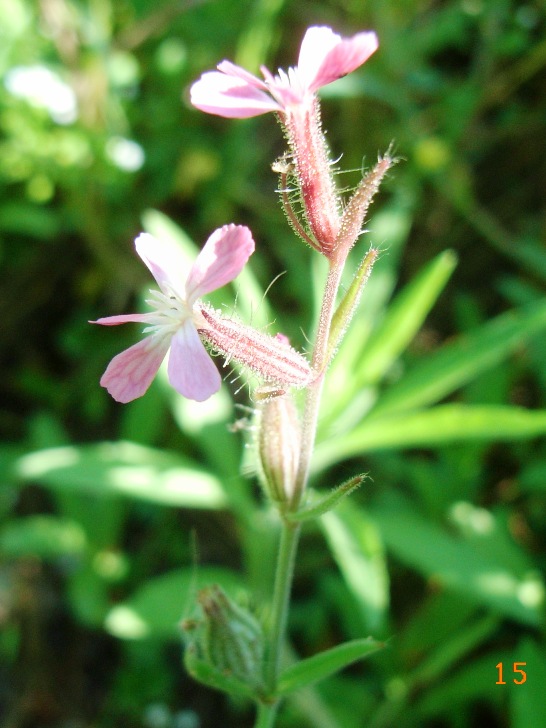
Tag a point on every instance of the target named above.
point(517, 670)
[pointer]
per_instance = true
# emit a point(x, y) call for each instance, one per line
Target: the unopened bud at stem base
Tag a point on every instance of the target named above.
point(279, 441)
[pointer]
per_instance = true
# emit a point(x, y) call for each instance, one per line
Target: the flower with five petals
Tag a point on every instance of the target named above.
point(324, 57)
point(173, 325)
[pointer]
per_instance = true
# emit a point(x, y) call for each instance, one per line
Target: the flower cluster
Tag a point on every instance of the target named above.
point(180, 323)
point(228, 647)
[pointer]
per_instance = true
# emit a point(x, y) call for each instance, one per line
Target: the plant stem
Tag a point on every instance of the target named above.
point(290, 532)
point(284, 576)
point(314, 391)
point(281, 598)
point(266, 714)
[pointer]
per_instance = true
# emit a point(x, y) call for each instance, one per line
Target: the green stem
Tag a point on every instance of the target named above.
point(290, 531)
point(284, 577)
point(267, 713)
point(281, 599)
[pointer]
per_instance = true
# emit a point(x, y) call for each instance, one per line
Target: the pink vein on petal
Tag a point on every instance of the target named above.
point(191, 370)
point(128, 318)
point(315, 46)
point(343, 58)
point(130, 373)
point(222, 258)
point(230, 96)
point(232, 69)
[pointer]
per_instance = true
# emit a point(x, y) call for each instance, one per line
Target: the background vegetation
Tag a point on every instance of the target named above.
point(112, 515)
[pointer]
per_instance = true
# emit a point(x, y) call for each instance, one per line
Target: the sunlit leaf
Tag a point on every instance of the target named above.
point(404, 318)
point(358, 550)
point(454, 563)
point(435, 427)
point(157, 607)
point(45, 536)
point(459, 362)
point(126, 469)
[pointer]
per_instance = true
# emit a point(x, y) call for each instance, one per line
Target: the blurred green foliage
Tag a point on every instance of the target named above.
point(113, 516)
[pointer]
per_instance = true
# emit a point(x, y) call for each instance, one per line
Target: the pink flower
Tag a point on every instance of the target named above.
point(177, 316)
point(324, 57)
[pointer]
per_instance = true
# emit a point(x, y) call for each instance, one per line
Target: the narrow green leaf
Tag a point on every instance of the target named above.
point(527, 704)
point(364, 358)
point(126, 469)
point(455, 364)
point(404, 318)
point(438, 426)
point(347, 306)
point(392, 223)
point(445, 656)
point(358, 550)
point(456, 563)
point(326, 663)
point(327, 502)
point(44, 535)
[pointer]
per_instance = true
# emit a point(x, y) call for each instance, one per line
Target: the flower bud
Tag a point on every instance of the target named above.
point(313, 171)
point(357, 207)
point(229, 638)
point(271, 357)
point(279, 447)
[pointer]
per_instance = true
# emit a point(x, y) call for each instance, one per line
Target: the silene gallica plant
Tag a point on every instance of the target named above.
point(228, 647)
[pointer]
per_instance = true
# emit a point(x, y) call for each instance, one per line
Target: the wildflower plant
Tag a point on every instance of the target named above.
point(228, 647)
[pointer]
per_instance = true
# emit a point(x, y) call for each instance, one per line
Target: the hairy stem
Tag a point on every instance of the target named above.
point(290, 531)
point(284, 577)
point(314, 391)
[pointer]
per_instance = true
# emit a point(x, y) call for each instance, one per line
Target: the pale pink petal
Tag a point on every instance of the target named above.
point(315, 46)
point(191, 370)
point(232, 69)
point(139, 318)
point(220, 261)
point(342, 58)
point(230, 96)
point(165, 261)
point(130, 373)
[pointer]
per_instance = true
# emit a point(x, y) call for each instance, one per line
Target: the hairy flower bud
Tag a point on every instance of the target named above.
point(357, 207)
point(271, 357)
point(312, 166)
point(229, 638)
point(279, 447)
